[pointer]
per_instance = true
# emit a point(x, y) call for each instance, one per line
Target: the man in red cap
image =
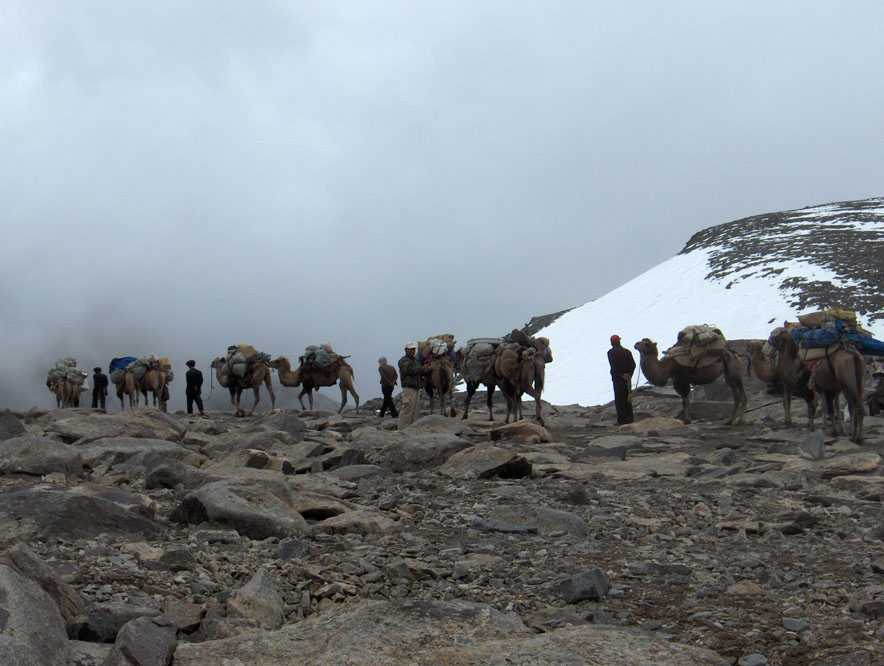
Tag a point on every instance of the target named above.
point(622, 368)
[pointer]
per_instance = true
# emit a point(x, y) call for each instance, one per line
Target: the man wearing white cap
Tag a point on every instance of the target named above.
point(410, 375)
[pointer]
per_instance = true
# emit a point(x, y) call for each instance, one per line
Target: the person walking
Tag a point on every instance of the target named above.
point(194, 389)
point(622, 368)
point(411, 376)
point(389, 378)
point(99, 389)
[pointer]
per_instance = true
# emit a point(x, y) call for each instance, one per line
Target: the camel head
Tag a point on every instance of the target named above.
point(755, 346)
point(646, 347)
point(779, 338)
point(280, 362)
point(218, 362)
point(544, 352)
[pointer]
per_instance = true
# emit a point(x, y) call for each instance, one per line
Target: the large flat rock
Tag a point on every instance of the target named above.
point(454, 633)
point(37, 456)
point(421, 450)
point(83, 511)
point(32, 631)
point(482, 462)
point(84, 428)
point(367, 632)
point(258, 508)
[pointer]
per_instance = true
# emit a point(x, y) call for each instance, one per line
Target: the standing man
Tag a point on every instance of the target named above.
point(99, 389)
point(388, 383)
point(411, 375)
point(622, 368)
point(194, 388)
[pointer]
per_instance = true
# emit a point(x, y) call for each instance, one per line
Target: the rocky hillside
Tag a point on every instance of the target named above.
point(745, 277)
point(281, 539)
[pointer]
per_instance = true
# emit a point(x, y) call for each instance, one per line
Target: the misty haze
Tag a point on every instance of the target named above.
point(654, 232)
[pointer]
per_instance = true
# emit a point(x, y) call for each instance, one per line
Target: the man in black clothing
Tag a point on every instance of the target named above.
point(99, 389)
point(194, 388)
point(622, 368)
point(389, 377)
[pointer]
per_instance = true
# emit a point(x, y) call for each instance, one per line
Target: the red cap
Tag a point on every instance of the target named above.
point(615, 339)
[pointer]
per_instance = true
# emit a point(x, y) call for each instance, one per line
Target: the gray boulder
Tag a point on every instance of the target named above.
point(81, 512)
point(69, 602)
point(258, 602)
point(483, 462)
point(436, 423)
point(10, 426)
point(592, 585)
point(162, 472)
point(286, 421)
point(542, 519)
point(30, 454)
point(32, 630)
point(147, 641)
point(107, 619)
point(366, 632)
point(257, 508)
point(88, 654)
point(83, 428)
point(419, 451)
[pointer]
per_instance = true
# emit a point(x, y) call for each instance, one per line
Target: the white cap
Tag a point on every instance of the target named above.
point(411, 345)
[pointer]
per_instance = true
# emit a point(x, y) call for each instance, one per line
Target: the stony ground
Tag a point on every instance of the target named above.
point(204, 533)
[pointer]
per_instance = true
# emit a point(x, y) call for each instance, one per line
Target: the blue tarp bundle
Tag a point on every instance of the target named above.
point(839, 331)
point(121, 363)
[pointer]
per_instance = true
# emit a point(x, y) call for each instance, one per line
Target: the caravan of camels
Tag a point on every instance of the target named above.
point(821, 356)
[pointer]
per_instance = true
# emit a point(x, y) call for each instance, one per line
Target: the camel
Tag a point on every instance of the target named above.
point(520, 372)
point(842, 371)
point(58, 388)
point(311, 379)
point(440, 382)
point(128, 387)
point(258, 374)
point(154, 381)
point(660, 371)
point(486, 377)
point(788, 371)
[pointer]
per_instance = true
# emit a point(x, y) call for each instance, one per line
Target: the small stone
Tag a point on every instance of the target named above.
point(590, 585)
point(813, 447)
point(753, 660)
point(795, 624)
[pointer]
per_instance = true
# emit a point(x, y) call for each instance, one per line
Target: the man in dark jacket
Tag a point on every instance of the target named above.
point(193, 392)
point(622, 368)
point(99, 389)
point(389, 377)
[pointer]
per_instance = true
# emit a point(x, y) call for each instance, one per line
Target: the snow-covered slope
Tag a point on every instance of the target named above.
point(746, 277)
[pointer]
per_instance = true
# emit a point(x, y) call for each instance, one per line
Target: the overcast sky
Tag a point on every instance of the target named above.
point(176, 177)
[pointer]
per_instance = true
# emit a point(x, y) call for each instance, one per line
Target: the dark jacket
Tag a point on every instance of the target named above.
point(194, 380)
point(621, 361)
point(99, 382)
point(411, 372)
point(388, 375)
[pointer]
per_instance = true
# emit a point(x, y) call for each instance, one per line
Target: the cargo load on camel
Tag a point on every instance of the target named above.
point(319, 356)
point(65, 369)
point(242, 358)
point(698, 346)
point(436, 347)
point(820, 334)
point(478, 355)
point(118, 366)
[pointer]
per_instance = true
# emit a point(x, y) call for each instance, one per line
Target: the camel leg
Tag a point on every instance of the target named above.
point(489, 400)
point(352, 390)
point(343, 398)
point(811, 411)
point(257, 391)
point(301, 398)
point(787, 404)
point(269, 385)
point(471, 390)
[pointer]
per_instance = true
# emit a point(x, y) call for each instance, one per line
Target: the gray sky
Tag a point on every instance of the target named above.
point(180, 176)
